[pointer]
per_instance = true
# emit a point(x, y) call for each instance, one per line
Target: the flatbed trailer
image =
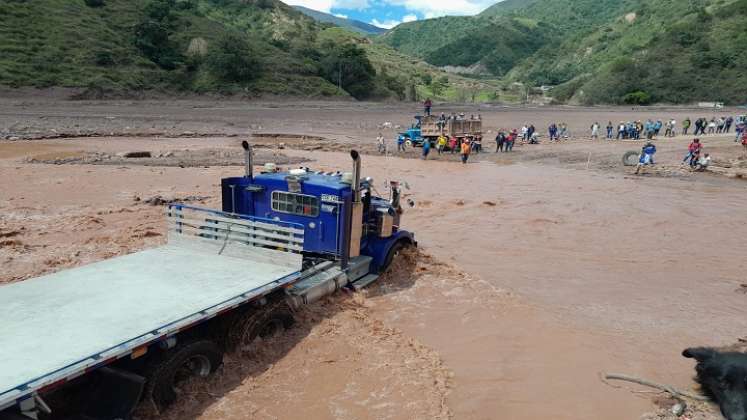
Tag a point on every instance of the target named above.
point(91, 316)
point(91, 342)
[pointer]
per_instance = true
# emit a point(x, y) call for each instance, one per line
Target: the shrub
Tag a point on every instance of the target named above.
point(637, 98)
point(103, 58)
point(94, 3)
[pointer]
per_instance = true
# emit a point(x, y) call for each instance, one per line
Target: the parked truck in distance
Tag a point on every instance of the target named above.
point(91, 342)
point(430, 127)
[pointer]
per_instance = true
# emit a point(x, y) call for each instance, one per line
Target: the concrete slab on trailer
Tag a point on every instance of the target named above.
point(50, 322)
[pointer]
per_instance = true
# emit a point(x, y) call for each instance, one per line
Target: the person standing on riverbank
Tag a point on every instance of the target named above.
point(466, 149)
point(427, 105)
point(685, 125)
point(426, 149)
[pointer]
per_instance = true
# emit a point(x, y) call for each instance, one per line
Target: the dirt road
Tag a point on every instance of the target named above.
point(547, 266)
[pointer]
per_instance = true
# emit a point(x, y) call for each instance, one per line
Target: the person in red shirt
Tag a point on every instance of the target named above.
point(510, 140)
point(453, 144)
point(427, 106)
point(693, 152)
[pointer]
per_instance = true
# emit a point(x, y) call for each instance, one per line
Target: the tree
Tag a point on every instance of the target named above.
point(152, 34)
point(347, 66)
point(152, 39)
point(232, 59)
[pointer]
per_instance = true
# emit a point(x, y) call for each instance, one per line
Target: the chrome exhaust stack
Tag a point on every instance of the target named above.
point(356, 176)
point(247, 158)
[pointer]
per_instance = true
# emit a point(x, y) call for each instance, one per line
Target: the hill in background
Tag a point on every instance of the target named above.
point(247, 47)
point(350, 24)
point(596, 51)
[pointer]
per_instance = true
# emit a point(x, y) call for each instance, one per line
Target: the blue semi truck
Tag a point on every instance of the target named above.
point(92, 342)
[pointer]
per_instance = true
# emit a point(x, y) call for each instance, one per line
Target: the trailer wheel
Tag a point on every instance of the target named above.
point(263, 323)
point(193, 359)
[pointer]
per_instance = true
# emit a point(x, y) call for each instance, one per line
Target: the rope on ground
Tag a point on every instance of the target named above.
point(640, 381)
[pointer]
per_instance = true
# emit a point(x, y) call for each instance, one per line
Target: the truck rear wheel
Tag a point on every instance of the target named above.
point(193, 359)
point(264, 323)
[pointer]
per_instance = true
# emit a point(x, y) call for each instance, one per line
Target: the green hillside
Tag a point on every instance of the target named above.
point(657, 51)
point(248, 47)
point(597, 51)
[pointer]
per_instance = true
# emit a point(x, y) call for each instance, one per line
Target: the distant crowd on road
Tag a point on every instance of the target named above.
point(650, 129)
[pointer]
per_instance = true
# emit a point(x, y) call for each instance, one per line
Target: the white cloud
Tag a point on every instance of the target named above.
point(436, 8)
point(327, 5)
point(391, 23)
point(386, 24)
point(340, 15)
point(350, 4)
point(319, 5)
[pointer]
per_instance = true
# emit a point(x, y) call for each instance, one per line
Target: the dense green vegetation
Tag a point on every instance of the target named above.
point(251, 47)
point(597, 51)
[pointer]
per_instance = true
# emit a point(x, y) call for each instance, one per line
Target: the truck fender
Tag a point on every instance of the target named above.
point(380, 250)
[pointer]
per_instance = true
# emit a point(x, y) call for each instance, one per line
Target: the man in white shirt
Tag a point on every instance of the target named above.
point(703, 163)
point(380, 143)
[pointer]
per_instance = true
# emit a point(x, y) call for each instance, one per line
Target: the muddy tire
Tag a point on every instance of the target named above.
point(198, 358)
point(264, 322)
point(630, 158)
point(396, 249)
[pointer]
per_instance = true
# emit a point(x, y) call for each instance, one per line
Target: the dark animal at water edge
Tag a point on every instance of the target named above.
point(722, 376)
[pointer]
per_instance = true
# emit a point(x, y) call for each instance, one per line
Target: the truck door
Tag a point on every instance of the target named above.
point(330, 224)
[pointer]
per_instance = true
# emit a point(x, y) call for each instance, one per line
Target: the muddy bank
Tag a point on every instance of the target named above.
point(181, 158)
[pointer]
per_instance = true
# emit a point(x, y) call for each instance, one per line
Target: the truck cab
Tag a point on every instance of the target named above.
point(342, 220)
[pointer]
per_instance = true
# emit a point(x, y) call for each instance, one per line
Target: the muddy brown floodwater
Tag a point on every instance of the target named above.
point(537, 271)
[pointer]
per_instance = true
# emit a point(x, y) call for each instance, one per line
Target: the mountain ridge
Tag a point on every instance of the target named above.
point(597, 51)
point(351, 24)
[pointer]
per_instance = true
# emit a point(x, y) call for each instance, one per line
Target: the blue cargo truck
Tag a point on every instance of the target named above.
point(92, 342)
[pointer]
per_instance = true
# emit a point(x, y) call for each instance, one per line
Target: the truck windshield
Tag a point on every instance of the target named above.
point(292, 203)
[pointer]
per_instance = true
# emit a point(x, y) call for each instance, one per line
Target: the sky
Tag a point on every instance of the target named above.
point(389, 13)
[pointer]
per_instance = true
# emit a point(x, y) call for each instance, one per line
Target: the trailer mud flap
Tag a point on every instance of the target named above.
point(117, 394)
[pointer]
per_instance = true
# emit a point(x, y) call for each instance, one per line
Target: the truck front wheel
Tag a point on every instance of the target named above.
point(193, 359)
point(396, 249)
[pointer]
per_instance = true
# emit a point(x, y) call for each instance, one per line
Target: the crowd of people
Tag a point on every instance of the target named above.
point(650, 129)
point(630, 130)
